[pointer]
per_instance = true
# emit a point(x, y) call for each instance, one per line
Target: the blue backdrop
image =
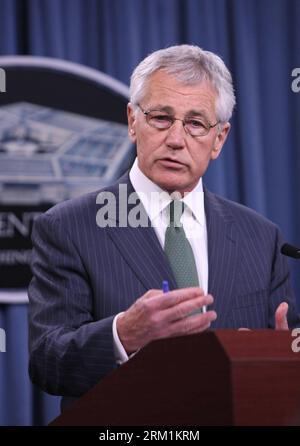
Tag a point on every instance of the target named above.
point(260, 42)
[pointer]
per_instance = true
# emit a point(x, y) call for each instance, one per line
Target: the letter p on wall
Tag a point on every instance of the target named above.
point(2, 81)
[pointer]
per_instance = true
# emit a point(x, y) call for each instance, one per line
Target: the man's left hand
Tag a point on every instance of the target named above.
point(281, 322)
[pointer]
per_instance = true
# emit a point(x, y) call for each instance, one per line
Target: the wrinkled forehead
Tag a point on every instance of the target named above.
point(165, 90)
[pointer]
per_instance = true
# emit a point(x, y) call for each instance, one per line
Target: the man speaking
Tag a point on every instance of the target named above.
point(96, 295)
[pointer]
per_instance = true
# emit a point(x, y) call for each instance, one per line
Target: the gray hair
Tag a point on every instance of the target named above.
point(190, 65)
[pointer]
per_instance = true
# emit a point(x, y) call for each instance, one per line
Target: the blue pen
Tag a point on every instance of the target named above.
point(165, 286)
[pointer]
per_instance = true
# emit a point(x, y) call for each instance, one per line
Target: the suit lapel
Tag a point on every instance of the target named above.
point(140, 246)
point(222, 256)
point(143, 253)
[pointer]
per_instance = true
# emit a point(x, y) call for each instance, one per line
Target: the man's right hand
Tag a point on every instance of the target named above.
point(158, 315)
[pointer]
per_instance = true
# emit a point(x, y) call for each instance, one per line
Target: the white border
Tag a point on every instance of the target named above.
point(67, 67)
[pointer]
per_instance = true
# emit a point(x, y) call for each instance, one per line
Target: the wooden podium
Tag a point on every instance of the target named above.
point(224, 377)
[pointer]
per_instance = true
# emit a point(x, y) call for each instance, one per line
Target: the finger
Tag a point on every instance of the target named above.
point(193, 324)
point(185, 308)
point(175, 297)
point(281, 322)
point(151, 293)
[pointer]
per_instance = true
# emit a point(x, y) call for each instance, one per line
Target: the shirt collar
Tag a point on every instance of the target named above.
point(155, 199)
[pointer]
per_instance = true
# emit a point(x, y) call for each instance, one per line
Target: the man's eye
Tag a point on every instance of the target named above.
point(196, 123)
point(161, 118)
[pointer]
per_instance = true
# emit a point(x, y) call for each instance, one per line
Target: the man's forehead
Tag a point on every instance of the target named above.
point(164, 81)
point(181, 90)
point(185, 90)
point(164, 90)
point(160, 97)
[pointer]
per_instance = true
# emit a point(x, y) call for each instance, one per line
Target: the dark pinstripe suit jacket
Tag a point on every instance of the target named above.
point(84, 275)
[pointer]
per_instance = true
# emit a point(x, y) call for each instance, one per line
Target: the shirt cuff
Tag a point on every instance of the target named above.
point(119, 351)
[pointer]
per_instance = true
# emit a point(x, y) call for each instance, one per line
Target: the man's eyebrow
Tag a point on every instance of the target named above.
point(168, 109)
point(159, 107)
point(201, 113)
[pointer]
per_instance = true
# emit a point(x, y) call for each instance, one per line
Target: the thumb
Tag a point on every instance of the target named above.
point(281, 317)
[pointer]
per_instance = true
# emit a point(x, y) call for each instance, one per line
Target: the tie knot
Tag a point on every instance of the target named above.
point(176, 211)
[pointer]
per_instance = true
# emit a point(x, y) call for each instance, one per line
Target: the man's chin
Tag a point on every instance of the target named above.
point(175, 185)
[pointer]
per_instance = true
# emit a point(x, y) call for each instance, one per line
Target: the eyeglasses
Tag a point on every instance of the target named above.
point(161, 120)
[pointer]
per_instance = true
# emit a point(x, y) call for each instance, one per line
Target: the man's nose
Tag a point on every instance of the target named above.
point(176, 135)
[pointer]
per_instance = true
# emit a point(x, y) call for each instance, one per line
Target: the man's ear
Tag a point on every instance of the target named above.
point(131, 122)
point(220, 140)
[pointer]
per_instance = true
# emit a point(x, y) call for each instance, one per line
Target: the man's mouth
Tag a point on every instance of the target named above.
point(171, 163)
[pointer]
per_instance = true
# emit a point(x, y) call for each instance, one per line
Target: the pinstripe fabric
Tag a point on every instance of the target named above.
point(84, 275)
point(248, 276)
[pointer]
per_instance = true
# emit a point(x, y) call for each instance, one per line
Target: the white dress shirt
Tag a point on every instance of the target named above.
point(156, 202)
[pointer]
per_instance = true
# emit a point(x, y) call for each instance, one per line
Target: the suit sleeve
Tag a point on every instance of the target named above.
point(69, 351)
